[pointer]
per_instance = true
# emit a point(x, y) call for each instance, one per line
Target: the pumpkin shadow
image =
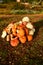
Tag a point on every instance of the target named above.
point(37, 25)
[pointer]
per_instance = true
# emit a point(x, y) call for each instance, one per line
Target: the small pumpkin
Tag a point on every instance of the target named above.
point(20, 32)
point(3, 34)
point(29, 37)
point(22, 39)
point(14, 42)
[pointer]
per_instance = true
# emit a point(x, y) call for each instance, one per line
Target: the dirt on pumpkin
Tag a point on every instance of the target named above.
point(30, 53)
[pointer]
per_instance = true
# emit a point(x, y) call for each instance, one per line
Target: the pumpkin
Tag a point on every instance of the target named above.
point(14, 42)
point(20, 32)
point(22, 39)
point(3, 34)
point(26, 19)
point(29, 25)
point(29, 37)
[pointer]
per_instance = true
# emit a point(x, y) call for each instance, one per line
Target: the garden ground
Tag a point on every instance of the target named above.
point(30, 53)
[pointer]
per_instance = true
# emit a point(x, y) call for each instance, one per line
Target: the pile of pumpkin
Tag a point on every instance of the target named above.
point(21, 31)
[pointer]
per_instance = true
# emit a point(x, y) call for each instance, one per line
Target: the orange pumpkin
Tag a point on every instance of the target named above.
point(20, 32)
point(22, 39)
point(14, 42)
point(29, 37)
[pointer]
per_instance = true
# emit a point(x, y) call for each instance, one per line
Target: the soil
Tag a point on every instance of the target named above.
point(30, 53)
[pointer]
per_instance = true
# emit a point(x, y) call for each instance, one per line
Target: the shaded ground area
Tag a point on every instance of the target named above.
point(30, 53)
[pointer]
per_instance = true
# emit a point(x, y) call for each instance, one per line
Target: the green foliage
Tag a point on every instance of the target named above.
point(24, 12)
